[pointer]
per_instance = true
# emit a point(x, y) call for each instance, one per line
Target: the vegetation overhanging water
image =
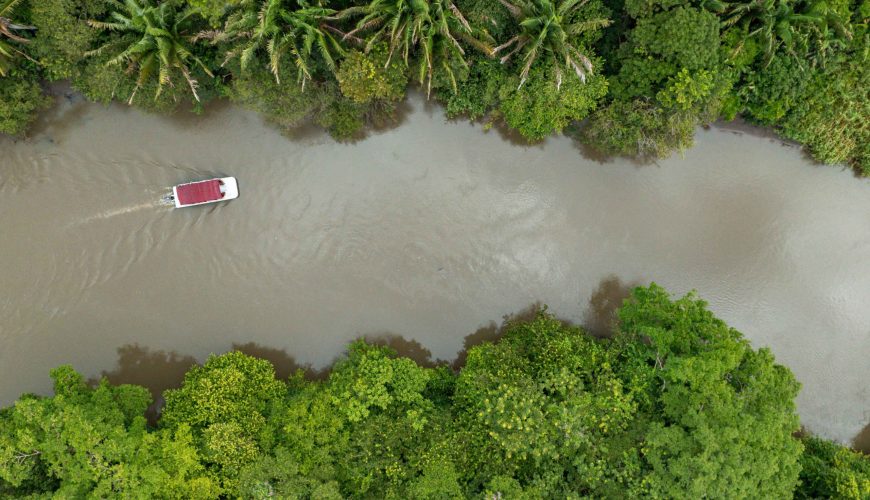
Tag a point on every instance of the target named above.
point(640, 75)
point(674, 404)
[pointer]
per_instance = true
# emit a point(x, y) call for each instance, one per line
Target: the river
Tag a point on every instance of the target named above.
point(426, 236)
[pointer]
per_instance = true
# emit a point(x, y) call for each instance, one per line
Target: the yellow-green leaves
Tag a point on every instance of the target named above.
point(364, 78)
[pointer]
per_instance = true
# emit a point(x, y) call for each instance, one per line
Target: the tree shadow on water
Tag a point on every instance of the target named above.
point(492, 332)
point(413, 349)
point(593, 154)
point(599, 319)
point(862, 440)
point(66, 111)
point(155, 370)
point(285, 364)
point(159, 370)
point(406, 348)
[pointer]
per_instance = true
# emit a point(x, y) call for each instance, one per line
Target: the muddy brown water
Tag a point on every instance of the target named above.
point(423, 235)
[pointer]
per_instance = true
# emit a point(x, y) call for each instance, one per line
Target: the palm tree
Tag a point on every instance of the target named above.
point(830, 32)
point(432, 27)
point(548, 29)
point(280, 30)
point(773, 22)
point(154, 42)
point(8, 52)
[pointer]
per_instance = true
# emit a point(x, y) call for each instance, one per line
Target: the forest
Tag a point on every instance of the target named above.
point(673, 404)
point(623, 77)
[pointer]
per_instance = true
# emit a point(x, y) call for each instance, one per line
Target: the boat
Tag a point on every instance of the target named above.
point(202, 192)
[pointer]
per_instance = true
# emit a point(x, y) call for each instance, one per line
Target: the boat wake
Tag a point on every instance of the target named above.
point(108, 214)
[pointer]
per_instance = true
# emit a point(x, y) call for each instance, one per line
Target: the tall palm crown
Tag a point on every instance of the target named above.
point(773, 22)
point(548, 30)
point(431, 27)
point(8, 35)
point(282, 30)
point(154, 43)
point(830, 33)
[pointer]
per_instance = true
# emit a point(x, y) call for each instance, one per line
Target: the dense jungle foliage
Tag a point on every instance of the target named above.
point(630, 77)
point(675, 404)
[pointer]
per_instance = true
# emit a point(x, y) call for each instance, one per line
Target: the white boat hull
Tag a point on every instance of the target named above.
point(229, 188)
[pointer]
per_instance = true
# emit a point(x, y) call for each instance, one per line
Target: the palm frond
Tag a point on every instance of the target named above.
point(7, 6)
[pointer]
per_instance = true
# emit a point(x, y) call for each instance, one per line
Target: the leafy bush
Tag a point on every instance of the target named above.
point(661, 46)
point(774, 90)
point(343, 118)
point(535, 110)
point(366, 77)
point(832, 114)
point(21, 98)
point(63, 36)
point(479, 93)
point(538, 108)
point(284, 104)
point(829, 470)
point(640, 129)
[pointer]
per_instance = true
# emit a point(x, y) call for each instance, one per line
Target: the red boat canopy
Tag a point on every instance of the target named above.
point(199, 192)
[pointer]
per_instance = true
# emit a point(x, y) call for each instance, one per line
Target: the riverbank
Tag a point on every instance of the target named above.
point(525, 414)
point(626, 79)
point(451, 229)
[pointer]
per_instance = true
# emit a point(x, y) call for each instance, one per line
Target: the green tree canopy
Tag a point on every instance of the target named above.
point(20, 100)
point(227, 404)
point(544, 407)
point(721, 414)
point(675, 404)
point(832, 471)
point(669, 79)
point(93, 442)
point(541, 107)
point(229, 389)
point(662, 45)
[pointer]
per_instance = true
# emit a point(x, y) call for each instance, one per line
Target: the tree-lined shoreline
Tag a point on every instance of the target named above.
point(675, 404)
point(624, 77)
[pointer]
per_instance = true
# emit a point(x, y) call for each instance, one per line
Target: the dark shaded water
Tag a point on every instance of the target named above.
point(423, 237)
